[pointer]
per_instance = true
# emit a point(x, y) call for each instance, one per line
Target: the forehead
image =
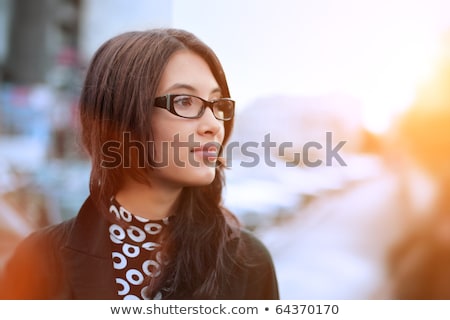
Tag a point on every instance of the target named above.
point(187, 69)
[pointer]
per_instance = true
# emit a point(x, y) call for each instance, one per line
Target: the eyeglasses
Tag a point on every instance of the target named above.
point(192, 107)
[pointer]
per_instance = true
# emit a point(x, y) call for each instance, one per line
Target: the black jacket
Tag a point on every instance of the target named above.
point(72, 260)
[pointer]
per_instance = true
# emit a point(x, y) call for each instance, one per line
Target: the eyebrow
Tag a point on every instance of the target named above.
point(190, 88)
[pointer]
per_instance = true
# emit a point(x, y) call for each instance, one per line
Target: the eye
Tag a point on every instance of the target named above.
point(183, 101)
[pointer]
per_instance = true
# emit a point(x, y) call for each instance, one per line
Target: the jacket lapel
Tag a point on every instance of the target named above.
point(87, 256)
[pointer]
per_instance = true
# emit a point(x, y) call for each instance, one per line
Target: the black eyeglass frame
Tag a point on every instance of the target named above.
point(166, 102)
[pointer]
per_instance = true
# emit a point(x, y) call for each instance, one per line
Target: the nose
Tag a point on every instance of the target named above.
point(209, 125)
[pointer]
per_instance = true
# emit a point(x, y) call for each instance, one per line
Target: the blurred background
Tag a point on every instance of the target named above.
point(374, 74)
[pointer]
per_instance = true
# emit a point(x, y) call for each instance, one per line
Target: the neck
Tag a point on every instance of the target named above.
point(147, 201)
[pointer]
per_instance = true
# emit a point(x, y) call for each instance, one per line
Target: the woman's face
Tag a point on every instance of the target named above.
point(186, 149)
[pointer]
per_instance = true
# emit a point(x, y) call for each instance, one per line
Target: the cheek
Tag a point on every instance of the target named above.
point(169, 138)
point(164, 129)
point(221, 134)
point(172, 135)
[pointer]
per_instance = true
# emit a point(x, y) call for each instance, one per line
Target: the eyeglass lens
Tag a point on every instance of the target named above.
point(191, 107)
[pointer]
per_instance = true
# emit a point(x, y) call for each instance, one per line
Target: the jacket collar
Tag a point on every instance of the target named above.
point(87, 256)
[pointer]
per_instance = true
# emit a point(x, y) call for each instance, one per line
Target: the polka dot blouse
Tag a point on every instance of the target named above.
point(135, 252)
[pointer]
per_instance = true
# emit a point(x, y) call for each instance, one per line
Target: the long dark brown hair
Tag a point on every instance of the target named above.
point(117, 96)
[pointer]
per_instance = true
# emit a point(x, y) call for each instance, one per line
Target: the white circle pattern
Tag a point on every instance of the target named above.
point(117, 231)
point(141, 219)
point(153, 228)
point(113, 209)
point(125, 286)
point(144, 294)
point(136, 254)
point(130, 250)
point(155, 265)
point(150, 246)
point(136, 234)
point(125, 214)
point(135, 277)
point(122, 263)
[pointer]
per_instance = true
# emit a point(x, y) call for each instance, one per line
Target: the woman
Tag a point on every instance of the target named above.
point(155, 112)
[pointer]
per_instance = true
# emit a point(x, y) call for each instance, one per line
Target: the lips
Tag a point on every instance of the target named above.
point(207, 151)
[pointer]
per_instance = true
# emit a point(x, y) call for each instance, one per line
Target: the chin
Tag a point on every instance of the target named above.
point(203, 181)
point(185, 177)
point(202, 177)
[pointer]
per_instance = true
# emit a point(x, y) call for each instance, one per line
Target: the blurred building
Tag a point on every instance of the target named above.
point(45, 46)
point(37, 35)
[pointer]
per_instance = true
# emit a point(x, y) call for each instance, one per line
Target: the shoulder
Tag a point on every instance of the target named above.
point(252, 240)
point(255, 276)
point(50, 237)
point(253, 251)
point(41, 252)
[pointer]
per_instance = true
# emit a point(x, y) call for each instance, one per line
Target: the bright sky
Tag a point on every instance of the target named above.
point(375, 50)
